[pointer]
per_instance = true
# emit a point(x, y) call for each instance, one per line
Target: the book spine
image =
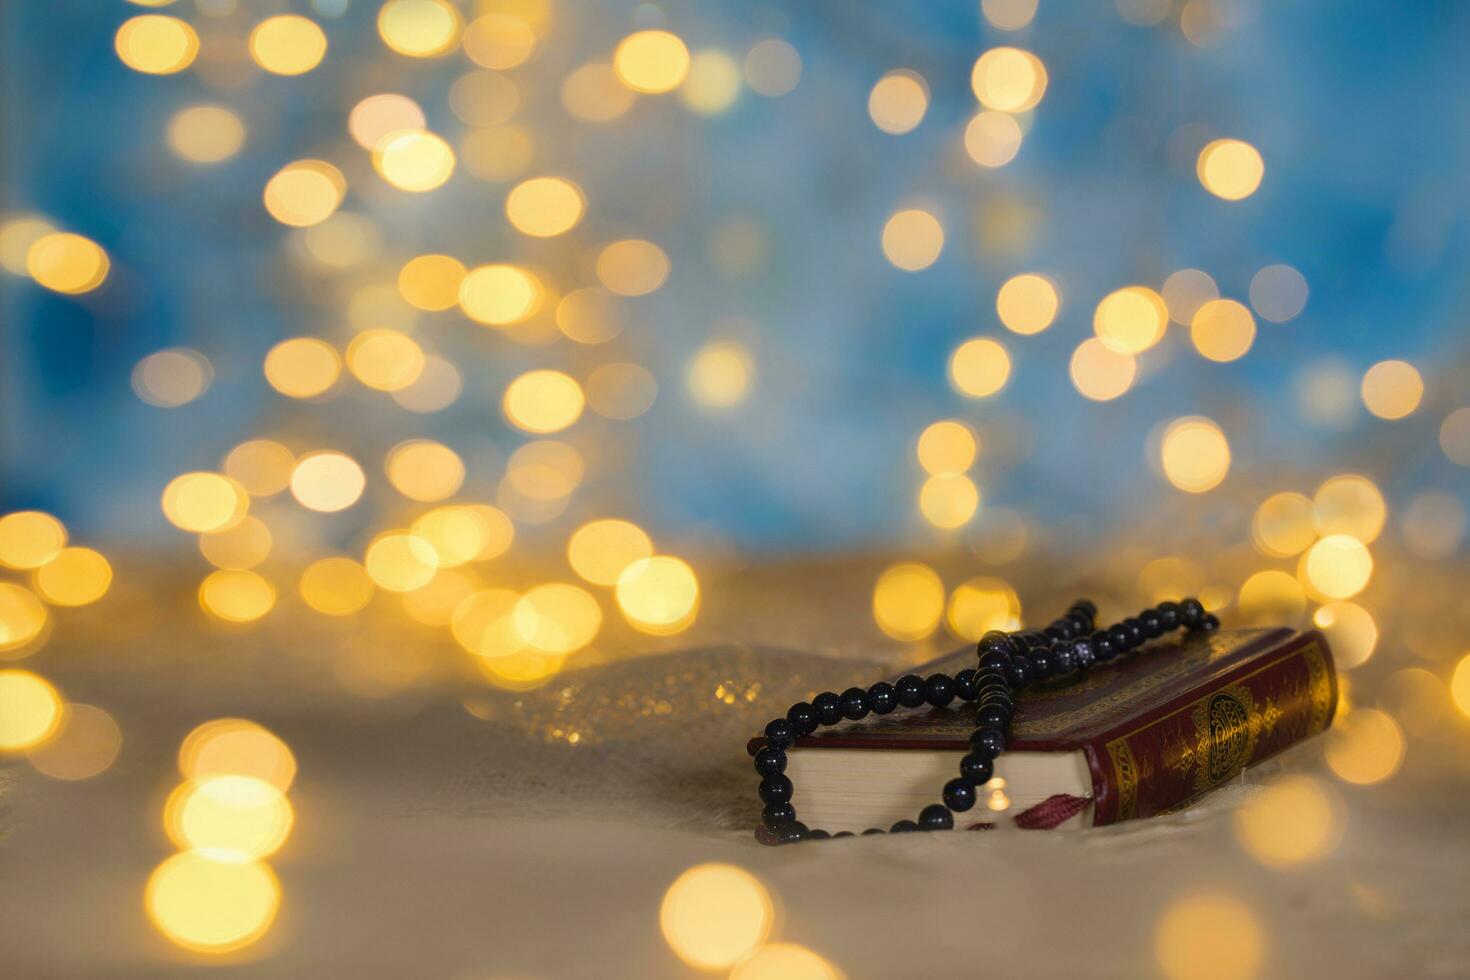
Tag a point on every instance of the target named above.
point(1199, 740)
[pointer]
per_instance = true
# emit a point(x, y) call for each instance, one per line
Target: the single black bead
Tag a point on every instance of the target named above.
point(939, 689)
point(1210, 623)
point(770, 761)
point(936, 816)
point(1102, 646)
point(1018, 647)
point(1169, 614)
point(780, 733)
point(976, 768)
point(992, 714)
point(1121, 640)
point(882, 698)
point(1055, 634)
point(829, 707)
point(793, 833)
point(854, 703)
point(842, 833)
point(872, 830)
point(1066, 627)
point(1083, 655)
point(803, 718)
point(959, 795)
point(911, 690)
point(818, 834)
point(994, 640)
point(903, 827)
point(1136, 636)
point(778, 815)
point(1018, 674)
point(964, 684)
point(1081, 624)
point(991, 741)
point(995, 659)
point(1039, 662)
point(1153, 623)
point(1062, 660)
point(1192, 613)
point(1087, 607)
point(776, 789)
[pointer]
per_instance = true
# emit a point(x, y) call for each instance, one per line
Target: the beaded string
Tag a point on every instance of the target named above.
point(1008, 662)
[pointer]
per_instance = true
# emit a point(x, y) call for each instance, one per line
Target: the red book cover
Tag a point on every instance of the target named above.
point(1159, 727)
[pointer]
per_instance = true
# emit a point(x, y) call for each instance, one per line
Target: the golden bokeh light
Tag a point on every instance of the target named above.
point(422, 469)
point(1102, 371)
point(288, 44)
point(200, 502)
point(1272, 598)
point(211, 906)
point(498, 153)
point(465, 533)
point(1349, 504)
point(173, 377)
point(498, 41)
point(1392, 389)
point(651, 61)
point(772, 67)
point(434, 604)
point(302, 367)
point(947, 447)
point(1293, 820)
point(1209, 936)
point(544, 470)
point(1008, 15)
point(205, 133)
point(658, 595)
point(438, 386)
point(621, 390)
point(419, 28)
point(17, 234)
point(400, 562)
point(714, 914)
point(949, 501)
point(1222, 330)
point(23, 618)
point(1027, 303)
point(156, 45)
point(245, 545)
point(720, 374)
point(1351, 632)
point(557, 618)
point(1460, 685)
point(913, 239)
point(979, 367)
point(898, 101)
point(67, 263)
point(545, 207)
point(31, 710)
point(593, 93)
point(327, 481)
point(1337, 567)
point(601, 550)
point(237, 595)
point(713, 83)
point(591, 315)
point(908, 601)
point(499, 295)
point(1364, 746)
point(304, 193)
point(335, 586)
point(1230, 169)
point(1454, 436)
point(1131, 319)
point(484, 624)
point(385, 359)
point(1433, 524)
point(75, 577)
point(980, 605)
point(992, 139)
point(237, 747)
point(632, 267)
point(1169, 578)
point(231, 818)
point(262, 466)
point(86, 745)
point(1185, 291)
point(376, 116)
point(30, 538)
point(1278, 293)
point(414, 160)
point(784, 961)
point(1284, 525)
point(543, 401)
point(1008, 80)
point(1195, 454)
point(431, 282)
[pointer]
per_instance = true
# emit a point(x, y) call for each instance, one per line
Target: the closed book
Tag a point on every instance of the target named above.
point(1143, 735)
